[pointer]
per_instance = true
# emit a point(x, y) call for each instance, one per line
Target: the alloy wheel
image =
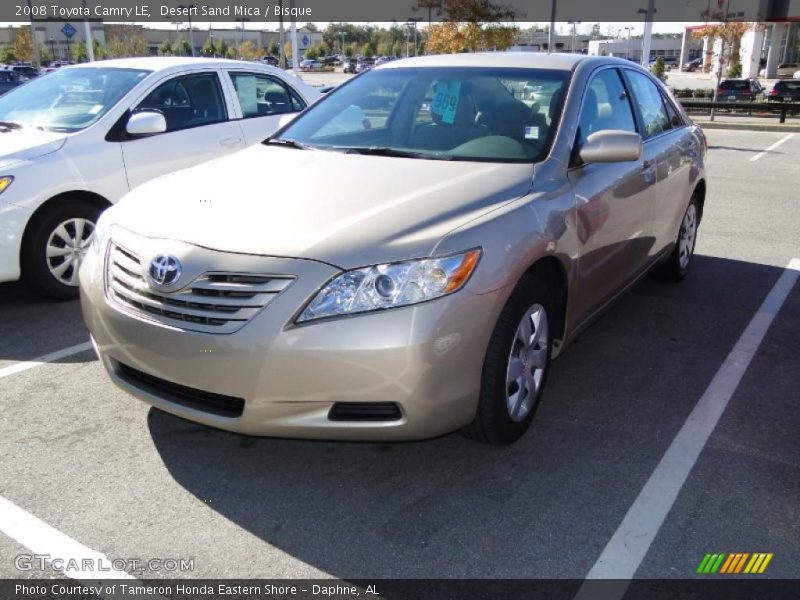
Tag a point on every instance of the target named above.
point(688, 232)
point(66, 247)
point(527, 362)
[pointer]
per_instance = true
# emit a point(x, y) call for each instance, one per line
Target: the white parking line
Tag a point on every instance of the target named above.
point(41, 539)
point(42, 360)
point(771, 148)
point(627, 548)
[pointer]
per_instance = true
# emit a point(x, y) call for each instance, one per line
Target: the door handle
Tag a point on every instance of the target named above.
point(230, 142)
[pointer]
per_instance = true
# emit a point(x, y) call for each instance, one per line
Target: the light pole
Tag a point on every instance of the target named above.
point(342, 34)
point(552, 26)
point(242, 20)
point(413, 21)
point(648, 31)
point(574, 33)
point(188, 10)
point(87, 32)
point(52, 48)
point(628, 45)
point(37, 60)
point(177, 26)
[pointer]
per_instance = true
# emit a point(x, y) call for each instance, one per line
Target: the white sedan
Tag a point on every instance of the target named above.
point(74, 142)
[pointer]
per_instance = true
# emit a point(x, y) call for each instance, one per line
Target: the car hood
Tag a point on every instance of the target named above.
point(27, 143)
point(347, 210)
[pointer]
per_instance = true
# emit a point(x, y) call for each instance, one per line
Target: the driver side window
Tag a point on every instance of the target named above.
point(605, 106)
point(187, 101)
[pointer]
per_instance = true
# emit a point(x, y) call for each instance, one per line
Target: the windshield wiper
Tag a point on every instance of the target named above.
point(10, 125)
point(386, 151)
point(287, 143)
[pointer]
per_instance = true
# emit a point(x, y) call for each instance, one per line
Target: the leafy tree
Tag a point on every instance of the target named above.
point(397, 49)
point(231, 52)
point(7, 55)
point(366, 51)
point(79, 53)
point(274, 49)
point(182, 47)
point(659, 70)
point(354, 49)
point(735, 70)
point(125, 40)
point(348, 51)
point(287, 50)
point(98, 49)
point(248, 50)
point(223, 48)
point(23, 44)
point(209, 49)
point(383, 49)
point(166, 49)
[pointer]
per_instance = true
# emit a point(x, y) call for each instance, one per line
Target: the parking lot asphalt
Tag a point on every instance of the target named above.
point(131, 482)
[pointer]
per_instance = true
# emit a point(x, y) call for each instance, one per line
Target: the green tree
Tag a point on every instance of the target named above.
point(125, 40)
point(223, 48)
point(23, 44)
point(659, 70)
point(79, 53)
point(348, 51)
point(735, 70)
point(98, 49)
point(166, 49)
point(248, 50)
point(312, 53)
point(366, 51)
point(182, 47)
point(209, 49)
point(274, 49)
point(397, 49)
point(7, 55)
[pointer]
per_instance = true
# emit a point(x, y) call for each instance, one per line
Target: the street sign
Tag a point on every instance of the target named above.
point(305, 41)
point(68, 30)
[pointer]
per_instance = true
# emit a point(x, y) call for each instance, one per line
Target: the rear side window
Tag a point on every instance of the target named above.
point(188, 101)
point(649, 102)
point(605, 106)
point(262, 95)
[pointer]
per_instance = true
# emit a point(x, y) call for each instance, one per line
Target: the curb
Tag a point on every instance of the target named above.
point(748, 127)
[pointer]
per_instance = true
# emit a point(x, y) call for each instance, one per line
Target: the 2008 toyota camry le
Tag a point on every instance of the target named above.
point(404, 258)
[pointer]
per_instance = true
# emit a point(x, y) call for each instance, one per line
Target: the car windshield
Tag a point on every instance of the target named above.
point(442, 113)
point(735, 85)
point(68, 99)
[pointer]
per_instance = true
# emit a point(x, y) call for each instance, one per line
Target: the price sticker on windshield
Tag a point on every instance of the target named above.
point(445, 100)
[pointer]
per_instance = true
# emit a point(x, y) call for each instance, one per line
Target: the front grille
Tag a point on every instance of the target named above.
point(216, 404)
point(212, 303)
point(365, 411)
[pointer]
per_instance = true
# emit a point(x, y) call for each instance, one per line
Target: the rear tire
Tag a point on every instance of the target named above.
point(680, 260)
point(54, 246)
point(516, 364)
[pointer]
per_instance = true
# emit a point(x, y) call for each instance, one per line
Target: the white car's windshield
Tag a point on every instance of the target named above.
point(443, 113)
point(68, 99)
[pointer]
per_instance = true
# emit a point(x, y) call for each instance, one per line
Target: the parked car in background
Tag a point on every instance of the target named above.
point(693, 64)
point(311, 65)
point(270, 60)
point(25, 72)
point(786, 70)
point(8, 81)
point(739, 90)
point(350, 65)
point(796, 75)
point(785, 90)
point(76, 140)
point(364, 64)
point(451, 241)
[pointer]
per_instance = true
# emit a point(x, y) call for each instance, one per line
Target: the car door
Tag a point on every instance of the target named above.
point(614, 201)
point(198, 127)
point(261, 101)
point(666, 148)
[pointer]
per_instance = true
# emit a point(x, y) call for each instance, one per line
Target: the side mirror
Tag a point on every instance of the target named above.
point(286, 119)
point(147, 122)
point(611, 145)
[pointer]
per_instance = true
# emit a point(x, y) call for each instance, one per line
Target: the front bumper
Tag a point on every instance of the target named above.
point(13, 220)
point(426, 359)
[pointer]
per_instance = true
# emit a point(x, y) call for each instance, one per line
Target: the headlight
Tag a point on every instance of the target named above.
point(391, 285)
point(5, 182)
point(99, 234)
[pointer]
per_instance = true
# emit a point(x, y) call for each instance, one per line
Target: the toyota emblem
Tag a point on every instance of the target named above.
point(164, 270)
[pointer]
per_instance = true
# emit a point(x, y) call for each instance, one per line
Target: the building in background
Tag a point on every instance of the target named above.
point(665, 47)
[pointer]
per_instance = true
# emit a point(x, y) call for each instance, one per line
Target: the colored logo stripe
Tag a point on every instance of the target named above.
point(734, 562)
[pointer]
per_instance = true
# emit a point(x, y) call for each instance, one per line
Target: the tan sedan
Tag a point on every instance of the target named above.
point(406, 257)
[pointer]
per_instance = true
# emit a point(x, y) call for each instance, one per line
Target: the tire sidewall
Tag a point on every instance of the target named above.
point(33, 255)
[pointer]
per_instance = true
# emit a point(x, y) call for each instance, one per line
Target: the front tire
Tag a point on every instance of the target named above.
point(54, 246)
point(516, 365)
point(680, 260)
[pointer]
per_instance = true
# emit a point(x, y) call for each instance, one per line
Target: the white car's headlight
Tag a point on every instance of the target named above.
point(391, 285)
point(100, 234)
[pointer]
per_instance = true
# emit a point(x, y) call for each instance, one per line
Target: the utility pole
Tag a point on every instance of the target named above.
point(282, 60)
point(648, 32)
point(295, 49)
point(552, 26)
point(87, 33)
point(37, 59)
point(188, 10)
point(628, 45)
point(721, 57)
point(574, 33)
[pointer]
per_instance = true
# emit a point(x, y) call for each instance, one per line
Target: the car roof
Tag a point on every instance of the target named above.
point(159, 63)
point(526, 60)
